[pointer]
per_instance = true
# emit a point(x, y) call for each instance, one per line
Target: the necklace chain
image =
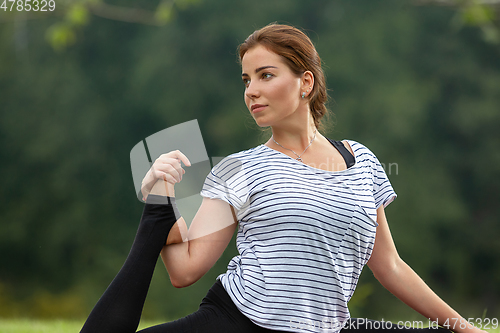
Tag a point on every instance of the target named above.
point(298, 156)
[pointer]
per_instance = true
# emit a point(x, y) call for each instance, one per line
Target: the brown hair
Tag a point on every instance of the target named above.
point(299, 54)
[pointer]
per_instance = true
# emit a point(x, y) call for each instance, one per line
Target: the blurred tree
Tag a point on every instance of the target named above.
point(481, 13)
point(75, 14)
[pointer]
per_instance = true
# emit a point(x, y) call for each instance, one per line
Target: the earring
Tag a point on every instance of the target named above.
point(304, 94)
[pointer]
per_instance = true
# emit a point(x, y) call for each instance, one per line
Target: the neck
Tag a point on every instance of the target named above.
point(296, 138)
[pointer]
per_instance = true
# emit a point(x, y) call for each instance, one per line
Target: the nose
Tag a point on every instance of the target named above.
point(252, 91)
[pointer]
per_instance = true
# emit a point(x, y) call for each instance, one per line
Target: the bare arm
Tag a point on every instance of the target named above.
point(397, 277)
point(207, 238)
point(189, 254)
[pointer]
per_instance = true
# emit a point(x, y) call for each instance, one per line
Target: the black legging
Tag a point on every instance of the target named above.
point(119, 308)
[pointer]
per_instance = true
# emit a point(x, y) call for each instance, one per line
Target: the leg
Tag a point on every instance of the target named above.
point(217, 313)
point(119, 308)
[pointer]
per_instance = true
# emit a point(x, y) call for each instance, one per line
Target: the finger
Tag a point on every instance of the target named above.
point(178, 167)
point(166, 176)
point(173, 166)
point(182, 157)
point(169, 178)
point(177, 155)
point(164, 163)
point(171, 160)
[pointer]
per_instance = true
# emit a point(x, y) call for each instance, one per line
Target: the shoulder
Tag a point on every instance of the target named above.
point(361, 152)
point(234, 163)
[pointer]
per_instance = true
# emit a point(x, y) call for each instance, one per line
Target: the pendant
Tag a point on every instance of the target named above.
point(299, 159)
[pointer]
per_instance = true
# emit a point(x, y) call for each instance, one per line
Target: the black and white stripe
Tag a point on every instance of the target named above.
point(304, 234)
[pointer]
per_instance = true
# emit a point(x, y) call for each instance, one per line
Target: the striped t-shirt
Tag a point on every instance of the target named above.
point(304, 235)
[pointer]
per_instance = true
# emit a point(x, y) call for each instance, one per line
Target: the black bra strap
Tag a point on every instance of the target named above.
point(346, 154)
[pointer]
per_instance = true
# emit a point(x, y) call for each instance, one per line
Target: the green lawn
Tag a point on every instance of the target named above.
point(47, 326)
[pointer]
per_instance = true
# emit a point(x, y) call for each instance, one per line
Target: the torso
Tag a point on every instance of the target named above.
point(305, 232)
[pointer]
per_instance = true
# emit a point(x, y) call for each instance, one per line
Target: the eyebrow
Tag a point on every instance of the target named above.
point(259, 69)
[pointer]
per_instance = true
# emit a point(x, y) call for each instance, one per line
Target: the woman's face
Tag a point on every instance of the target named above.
point(272, 90)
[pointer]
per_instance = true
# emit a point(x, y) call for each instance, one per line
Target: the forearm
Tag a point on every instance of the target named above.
point(188, 261)
point(175, 253)
point(188, 255)
point(179, 264)
point(176, 256)
point(406, 285)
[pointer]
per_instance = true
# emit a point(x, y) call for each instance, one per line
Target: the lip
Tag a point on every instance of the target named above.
point(257, 108)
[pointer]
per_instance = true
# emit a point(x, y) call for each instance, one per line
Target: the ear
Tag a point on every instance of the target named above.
point(307, 82)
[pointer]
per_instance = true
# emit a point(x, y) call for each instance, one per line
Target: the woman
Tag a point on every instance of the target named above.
point(309, 212)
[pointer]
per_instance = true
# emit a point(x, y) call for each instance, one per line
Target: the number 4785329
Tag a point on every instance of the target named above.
point(28, 5)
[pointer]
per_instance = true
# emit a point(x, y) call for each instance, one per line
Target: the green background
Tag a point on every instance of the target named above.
point(417, 84)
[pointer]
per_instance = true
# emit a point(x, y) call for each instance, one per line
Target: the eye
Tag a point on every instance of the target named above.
point(267, 75)
point(246, 82)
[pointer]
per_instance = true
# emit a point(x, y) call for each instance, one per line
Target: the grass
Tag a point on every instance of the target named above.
point(47, 326)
